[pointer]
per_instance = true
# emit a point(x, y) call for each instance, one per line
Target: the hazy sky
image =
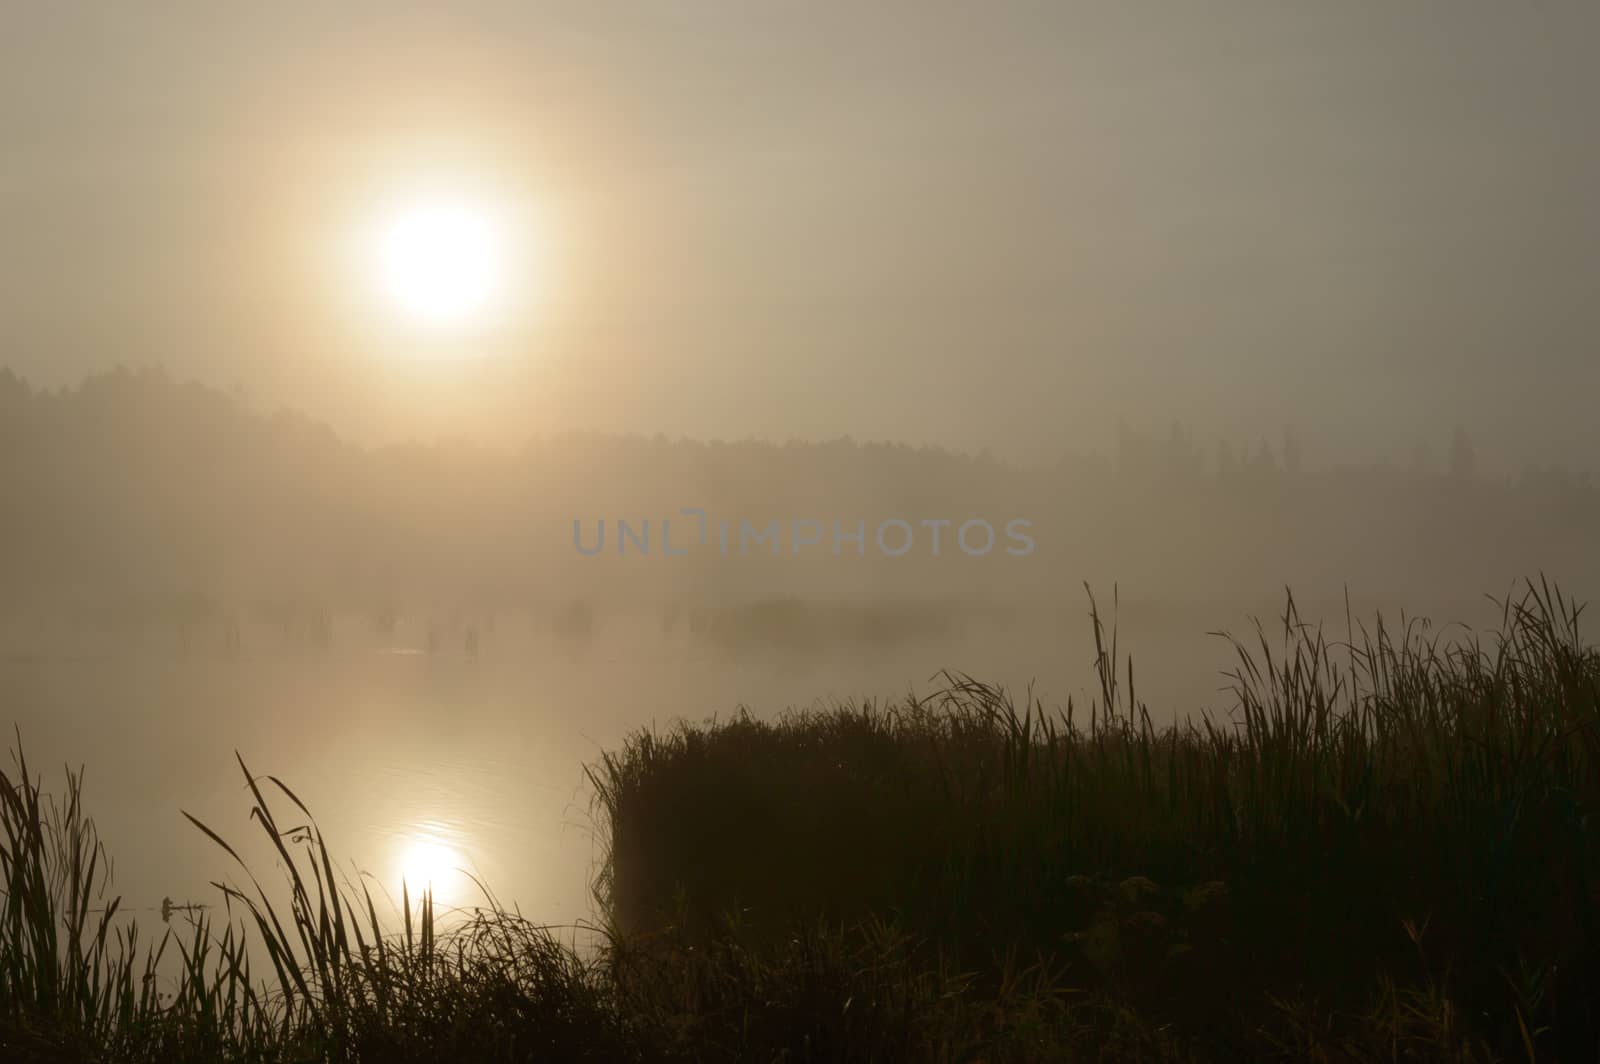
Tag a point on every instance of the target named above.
point(973, 224)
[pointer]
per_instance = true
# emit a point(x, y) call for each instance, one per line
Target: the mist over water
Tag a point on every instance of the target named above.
point(428, 645)
point(483, 757)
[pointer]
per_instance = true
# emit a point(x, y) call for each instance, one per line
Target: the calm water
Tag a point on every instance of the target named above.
point(416, 763)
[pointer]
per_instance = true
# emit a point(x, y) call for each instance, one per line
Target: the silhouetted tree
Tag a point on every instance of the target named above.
point(135, 488)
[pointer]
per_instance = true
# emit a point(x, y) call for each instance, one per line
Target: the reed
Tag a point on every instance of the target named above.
point(339, 981)
point(1362, 788)
point(1386, 850)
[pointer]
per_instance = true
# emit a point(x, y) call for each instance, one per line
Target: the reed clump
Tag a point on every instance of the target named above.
point(1404, 807)
point(304, 971)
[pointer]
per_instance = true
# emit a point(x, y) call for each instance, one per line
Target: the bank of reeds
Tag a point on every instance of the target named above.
point(1386, 851)
point(1397, 807)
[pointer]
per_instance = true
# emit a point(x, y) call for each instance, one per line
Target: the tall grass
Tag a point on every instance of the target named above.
point(69, 972)
point(1385, 851)
point(1400, 803)
point(340, 982)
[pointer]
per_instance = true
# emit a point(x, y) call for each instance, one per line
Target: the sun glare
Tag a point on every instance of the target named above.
point(442, 263)
point(427, 862)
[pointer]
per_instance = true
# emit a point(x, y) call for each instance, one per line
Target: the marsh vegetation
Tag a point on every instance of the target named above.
point(1385, 851)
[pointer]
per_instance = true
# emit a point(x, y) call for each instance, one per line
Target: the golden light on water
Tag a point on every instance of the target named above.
point(427, 858)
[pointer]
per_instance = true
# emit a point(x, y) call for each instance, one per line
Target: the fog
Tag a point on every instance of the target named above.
point(837, 348)
point(432, 640)
point(1373, 222)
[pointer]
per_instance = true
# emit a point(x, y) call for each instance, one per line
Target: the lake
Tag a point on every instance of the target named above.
point(416, 763)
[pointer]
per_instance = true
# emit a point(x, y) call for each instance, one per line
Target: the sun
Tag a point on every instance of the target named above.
point(442, 263)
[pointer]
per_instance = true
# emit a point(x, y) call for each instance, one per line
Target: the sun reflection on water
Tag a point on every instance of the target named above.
point(429, 857)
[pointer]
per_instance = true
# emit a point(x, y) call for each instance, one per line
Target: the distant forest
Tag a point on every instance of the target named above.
point(133, 487)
